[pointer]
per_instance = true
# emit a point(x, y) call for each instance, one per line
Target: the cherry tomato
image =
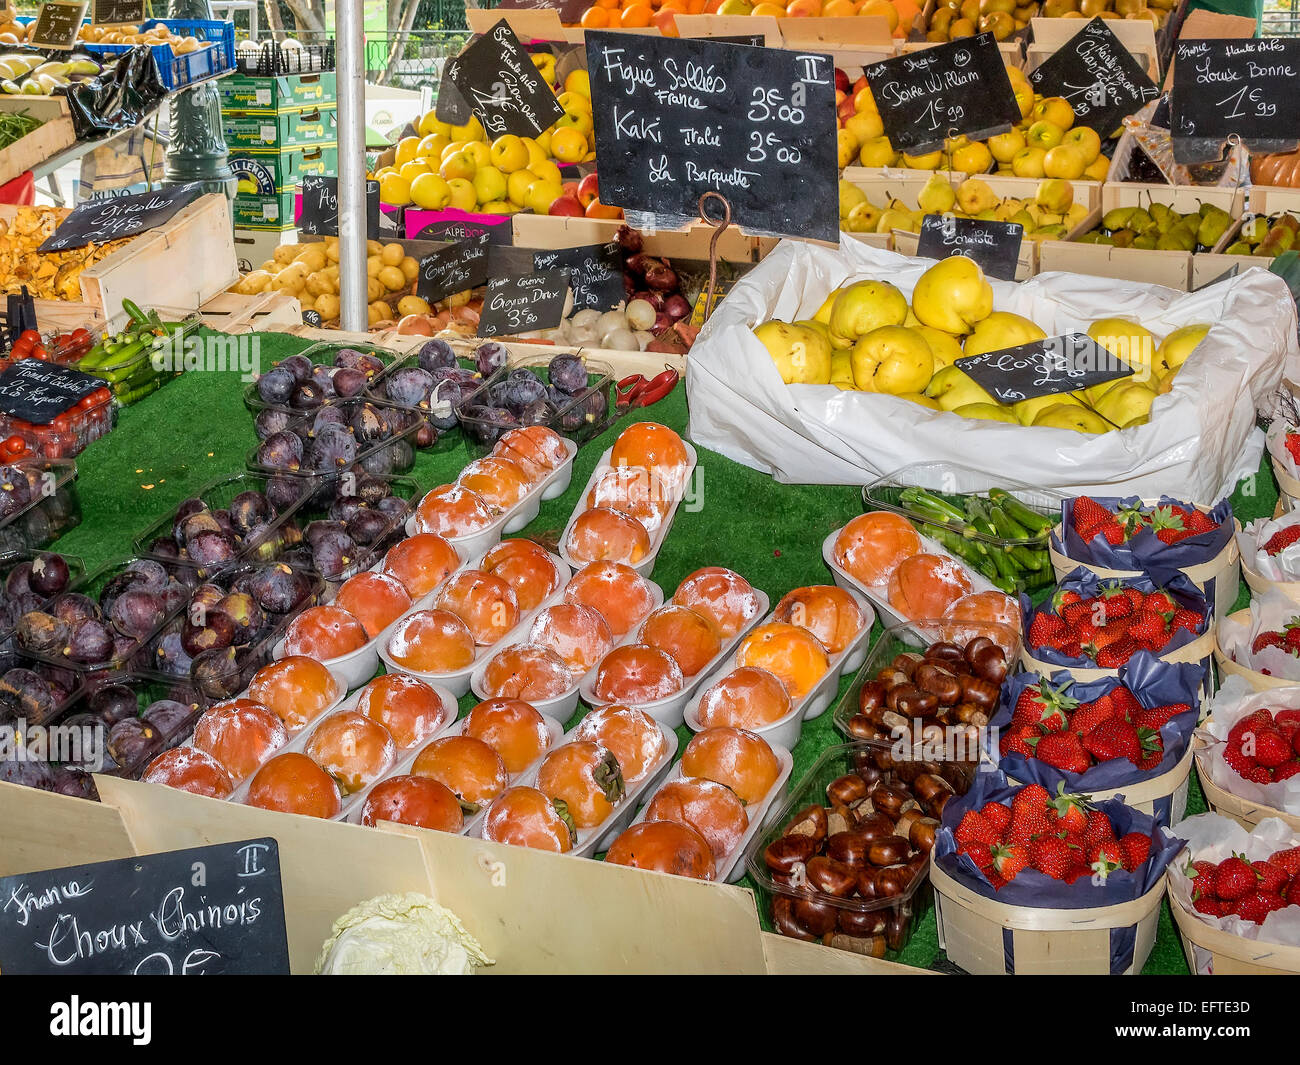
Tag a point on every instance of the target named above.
point(39, 352)
point(14, 447)
point(82, 336)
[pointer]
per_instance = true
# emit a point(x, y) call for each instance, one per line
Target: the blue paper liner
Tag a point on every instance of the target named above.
point(1038, 890)
point(1145, 552)
point(1088, 584)
point(1152, 681)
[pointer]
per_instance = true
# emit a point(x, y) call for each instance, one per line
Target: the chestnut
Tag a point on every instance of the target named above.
point(892, 880)
point(859, 923)
point(891, 679)
point(917, 703)
point(937, 804)
point(970, 714)
point(870, 946)
point(815, 915)
point(894, 724)
point(896, 929)
point(938, 681)
point(987, 660)
point(840, 819)
point(983, 693)
point(849, 847)
point(847, 790)
point(871, 696)
point(861, 728)
point(927, 785)
point(875, 826)
point(810, 821)
point(891, 801)
point(904, 824)
point(782, 855)
point(865, 766)
point(867, 882)
point(832, 877)
point(921, 833)
point(898, 692)
point(917, 864)
point(888, 850)
point(784, 922)
point(906, 663)
point(944, 651)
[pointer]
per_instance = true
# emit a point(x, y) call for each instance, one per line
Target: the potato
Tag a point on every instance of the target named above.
point(393, 254)
point(317, 284)
point(287, 281)
point(374, 289)
point(327, 306)
point(458, 299)
point(286, 253)
point(410, 267)
point(313, 255)
point(271, 266)
point(393, 279)
point(373, 247)
point(332, 272)
point(412, 305)
point(332, 249)
point(373, 265)
point(377, 312)
point(308, 302)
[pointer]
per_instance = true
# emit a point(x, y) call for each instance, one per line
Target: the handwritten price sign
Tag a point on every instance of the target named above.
point(1044, 368)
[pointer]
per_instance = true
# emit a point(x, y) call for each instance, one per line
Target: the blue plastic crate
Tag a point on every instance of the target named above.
point(181, 70)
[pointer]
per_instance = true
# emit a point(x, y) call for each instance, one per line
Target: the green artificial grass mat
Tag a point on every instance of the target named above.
point(196, 430)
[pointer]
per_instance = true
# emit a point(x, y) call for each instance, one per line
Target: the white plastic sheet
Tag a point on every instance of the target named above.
point(1201, 438)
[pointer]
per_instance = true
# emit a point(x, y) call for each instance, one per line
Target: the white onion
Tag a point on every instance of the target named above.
point(585, 319)
point(555, 336)
point(640, 315)
point(611, 320)
point(643, 338)
point(620, 340)
point(581, 337)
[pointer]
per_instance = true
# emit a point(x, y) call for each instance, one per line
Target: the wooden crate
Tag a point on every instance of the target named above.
point(1229, 955)
point(1013, 54)
point(51, 137)
point(48, 831)
point(973, 932)
point(549, 232)
point(730, 26)
point(793, 957)
point(180, 264)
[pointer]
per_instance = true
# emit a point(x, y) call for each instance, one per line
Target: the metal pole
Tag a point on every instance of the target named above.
point(350, 47)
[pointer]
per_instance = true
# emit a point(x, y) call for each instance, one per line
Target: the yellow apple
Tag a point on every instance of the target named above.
point(862, 307)
point(1001, 329)
point(518, 184)
point(1098, 169)
point(1064, 161)
point(951, 388)
point(1086, 140)
point(463, 196)
point(920, 399)
point(1005, 145)
point(489, 184)
point(1175, 349)
point(480, 152)
point(1044, 134)
point(508, 154)
point(865, 126)
point(1024, 100)
point(975, 196)
point(1056, 110)
point(864, 218)
point(850, 197)
point(989, 412)
point(974, 158)
point(952, 295)
point(928, 161)
point(892, 359)
point(802, 355)
point(846, 147)
point(458, 165)
point(541, 194)
point(1028, 162)
point(877, 152)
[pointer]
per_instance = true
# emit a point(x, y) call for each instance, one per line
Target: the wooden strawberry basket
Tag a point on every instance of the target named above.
point(1261, 682)
point(1149, 796)
point(1222, 570)
point(1199, 650)
point(1213, 952)
point(1246, 813)
point(973, 931)
point(1260, 584)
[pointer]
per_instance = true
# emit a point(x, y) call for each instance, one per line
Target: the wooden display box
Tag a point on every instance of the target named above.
point(182, 263)
point(551, 232)
point(51, 137)
point(731, 26)
point(1013, 54)
point(1048, 35)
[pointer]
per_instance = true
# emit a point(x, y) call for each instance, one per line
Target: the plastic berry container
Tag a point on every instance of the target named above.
point(68, 434)
point(323, 354)
point(126, 749)
point(52, 507)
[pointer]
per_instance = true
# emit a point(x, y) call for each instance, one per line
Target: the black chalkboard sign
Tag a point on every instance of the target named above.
point(595, 274)
point(320, 207)
point(1241, 87)
point(1101, 79)
point(118, 12)
point(497, 79)
point(38, 392)
point(1044, 368)
point(454, 269)
point(679, 118)
point(994, 245)
point(522, 304)
point(206, 910)
point(944, 91)
point(57, 24)
point(122, 216)
point(312, 318)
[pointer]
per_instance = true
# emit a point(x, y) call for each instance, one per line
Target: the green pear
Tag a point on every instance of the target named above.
point(1255, 230)
point(1141, 221)
point(937, 196)
point(1117, 218)
point(1163, 216)
point(1123, 238)
point(1147, 241)
point(1239, 247)
point(1214, 224)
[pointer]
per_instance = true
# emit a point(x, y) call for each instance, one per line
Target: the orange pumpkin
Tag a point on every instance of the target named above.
point(1281, 169)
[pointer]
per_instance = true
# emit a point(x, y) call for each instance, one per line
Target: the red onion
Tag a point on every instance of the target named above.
point(655, 299)
point(661, 277)
point(628, 239)
point(639, 262)
point(676, 306)
point(662, 321)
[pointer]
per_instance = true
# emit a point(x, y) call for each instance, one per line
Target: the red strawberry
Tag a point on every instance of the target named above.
point(1114, 739)
point(1071, 810)
point(1292, 445)
point(1075, 613)
point(1282, 539)
point(1267, 639)
point(1040, 703)
point(1241, 764)
point(980, 853)
point(1272, 878)
point(1291, 639)
point(1136, 848)
point(1116, 654)
point(1185, 618)
point(1112, 532)
point(1063, 751)
point(1198, 522)
point(974, 829)
point(1029, 813)
point(1212, 906)
point(1288, 859)
point(1167, 523)
point(1105, 858)
point(1046, 630)
point(997, 814)
point(1249, 724)
point(1090, 715)
point(1118, 606)
point(1149, 627)
point(1098, 829)
point(1157, 717)
point(1293, 893)
point(1087, 513)
point(1206, 871)
point(1280, 717)
point(1064, 597)
point(1153, 749)
point(1125, 701)
point(1160, 601)
point(1234, 878)
point(1052, 855)
point(1286, 771)
point(1016, 740)
point(1259, 905)
point(1271, 748)
point(1009, 859)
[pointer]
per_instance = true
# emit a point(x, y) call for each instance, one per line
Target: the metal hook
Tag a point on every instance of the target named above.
point(719, 227)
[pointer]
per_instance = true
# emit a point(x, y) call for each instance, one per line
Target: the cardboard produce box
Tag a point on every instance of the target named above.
point(283, 129)
point(263, 173)
point(285, 92)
